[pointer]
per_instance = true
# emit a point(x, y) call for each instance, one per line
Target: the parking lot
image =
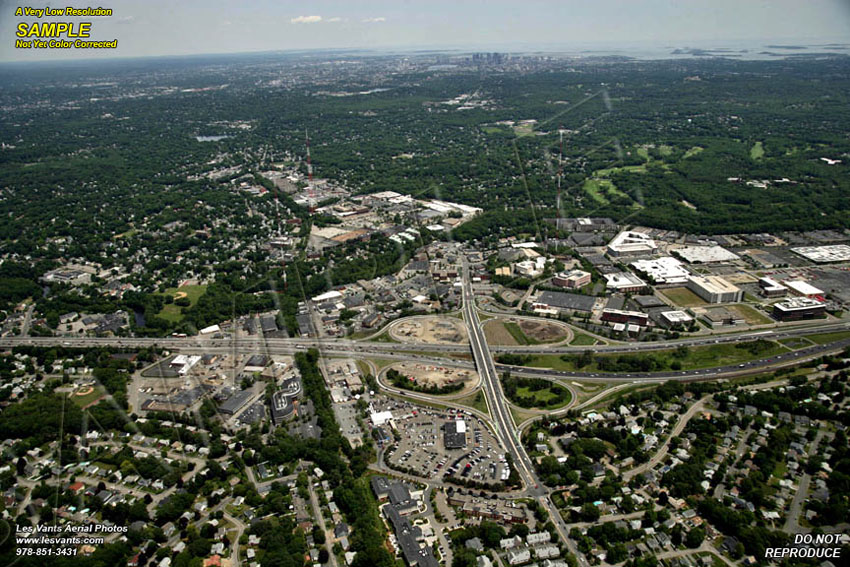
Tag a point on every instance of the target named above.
point(422, 450)
point(346, 415)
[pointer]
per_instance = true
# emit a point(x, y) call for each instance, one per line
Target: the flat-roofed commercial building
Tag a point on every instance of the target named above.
point(825, 254)
point(630, 243)
point(705, 254)
point(722, 317)
point(454, 436)
point(714, 289)
point(803, 289)
point(236, 402)
point(556, 301)
point(624, 282)
point(772, 288)
point(673, 318)
point(798, 308)
point(573, 279)
point(620, 316)
point(665, 270)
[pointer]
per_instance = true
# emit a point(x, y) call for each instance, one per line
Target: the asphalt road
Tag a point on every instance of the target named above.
point(497, 402)
point(259, 344)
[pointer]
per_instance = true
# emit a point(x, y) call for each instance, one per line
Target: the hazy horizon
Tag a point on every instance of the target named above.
point(158, 28)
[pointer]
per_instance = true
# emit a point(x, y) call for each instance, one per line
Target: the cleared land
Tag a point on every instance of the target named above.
point(430, 330)
point(430, 376)
point(497, 334)
point(757, 151)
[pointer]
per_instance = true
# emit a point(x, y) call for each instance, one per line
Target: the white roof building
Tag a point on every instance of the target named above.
point(630, 243)
point(380, 418)
point(803, 289)
point(676, 317)
point(623, 281)
point(824, 254)
point(705, 254)
point(327, 296)
point(665, 270)
point(714, 289)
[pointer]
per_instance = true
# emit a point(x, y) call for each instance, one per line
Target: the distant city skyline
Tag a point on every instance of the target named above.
point(160, 28)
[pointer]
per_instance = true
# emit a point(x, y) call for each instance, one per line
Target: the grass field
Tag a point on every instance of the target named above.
point(796, 342)
point(580, 339)
point(643, 152)
point(542, 397)
point(363, 367)
point(381, 363)
point(517, 334)
point(595, 188)
point(384, 338)
point(625, 168)
point(617, 394)
point(757, 151)
point(521, 415)
point(823, 338)
point(697, 357)
point(475, 401)
point(172, 312)
point(683, 297)
point(751, 316)
point(82, 401)
point(692, 152)
point(127, 234)
point(665, 150)
point(601, 188)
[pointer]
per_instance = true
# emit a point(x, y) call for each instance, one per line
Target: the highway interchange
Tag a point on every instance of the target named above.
point(500, 416)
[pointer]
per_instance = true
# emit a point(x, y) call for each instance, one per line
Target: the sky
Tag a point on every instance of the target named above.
point(168, 27)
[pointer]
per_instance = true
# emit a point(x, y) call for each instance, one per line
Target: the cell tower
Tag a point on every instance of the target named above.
point(560, 170)
point(277, 210)
point(311, 192)
point(309, 162)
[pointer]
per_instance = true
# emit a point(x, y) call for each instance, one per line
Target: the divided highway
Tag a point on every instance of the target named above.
point(505, 429)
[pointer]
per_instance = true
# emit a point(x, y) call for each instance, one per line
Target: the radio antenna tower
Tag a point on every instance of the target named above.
point(309, 162)
point(311, 191)
point(560, 162)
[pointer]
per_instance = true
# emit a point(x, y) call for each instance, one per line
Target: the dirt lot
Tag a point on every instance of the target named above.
point(431, 330)
point(542, 331)
point(428, 375)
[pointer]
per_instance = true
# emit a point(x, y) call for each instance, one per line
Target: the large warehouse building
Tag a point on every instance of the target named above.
point(556, 302)
point(666, 270)
point(714, 289)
